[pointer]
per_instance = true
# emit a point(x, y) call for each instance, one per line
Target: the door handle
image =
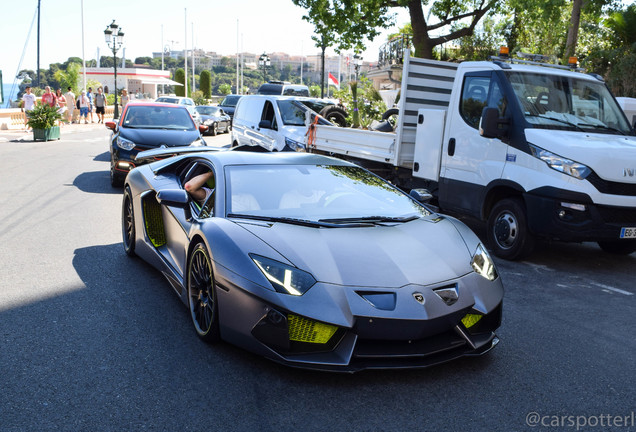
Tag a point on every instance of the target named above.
point(451, 147)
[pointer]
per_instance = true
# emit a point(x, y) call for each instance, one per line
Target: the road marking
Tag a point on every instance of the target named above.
point(607, 287)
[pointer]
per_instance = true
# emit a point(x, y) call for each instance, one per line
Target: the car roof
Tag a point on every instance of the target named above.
point(233, 157)
point(153, 104)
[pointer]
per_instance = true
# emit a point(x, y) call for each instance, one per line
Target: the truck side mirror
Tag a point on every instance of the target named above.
point(491, 125)
point(265, 124)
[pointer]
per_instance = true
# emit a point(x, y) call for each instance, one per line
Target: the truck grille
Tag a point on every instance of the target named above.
point(618, 215)
point(610, 187)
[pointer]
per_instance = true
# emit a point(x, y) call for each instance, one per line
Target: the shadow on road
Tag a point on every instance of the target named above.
point(104, 157)
point(95, 182)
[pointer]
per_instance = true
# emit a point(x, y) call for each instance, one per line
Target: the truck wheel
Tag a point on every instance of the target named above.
point(508, 232)
point(335, 114)
point(619, 247)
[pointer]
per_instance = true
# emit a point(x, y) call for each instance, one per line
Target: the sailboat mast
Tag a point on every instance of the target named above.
point(38, 73)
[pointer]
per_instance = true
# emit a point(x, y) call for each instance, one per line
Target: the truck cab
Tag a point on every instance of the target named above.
point(538, 151)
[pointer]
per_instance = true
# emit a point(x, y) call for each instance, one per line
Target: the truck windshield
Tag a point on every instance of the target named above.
point(294, 113)
point(567, 103)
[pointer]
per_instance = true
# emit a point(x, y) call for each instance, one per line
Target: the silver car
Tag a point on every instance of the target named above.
point(311, 261)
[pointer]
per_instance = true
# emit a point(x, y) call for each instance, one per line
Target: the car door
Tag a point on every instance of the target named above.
point(470, 162)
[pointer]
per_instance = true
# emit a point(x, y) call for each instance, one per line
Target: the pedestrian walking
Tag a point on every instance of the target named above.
point(48, 97)
point(100, 105)
point(70, 105)
point(84, 104)
point(28, 100)
point(124, 98)
point(89, 95)
point(61, 104)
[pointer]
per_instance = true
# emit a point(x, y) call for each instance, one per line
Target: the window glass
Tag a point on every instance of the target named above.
point(551, 101)
point(314, 192)
point(474, 99)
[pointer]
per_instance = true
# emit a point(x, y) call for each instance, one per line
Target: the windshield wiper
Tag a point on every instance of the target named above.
point(293, 221)
point(557, 120)
point(602, 126)
point(371, 219)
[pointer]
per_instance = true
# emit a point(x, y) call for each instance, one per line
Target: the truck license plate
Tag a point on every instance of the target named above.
point(628, 232)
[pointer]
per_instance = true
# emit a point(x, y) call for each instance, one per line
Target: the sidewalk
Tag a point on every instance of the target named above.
point(27, 136)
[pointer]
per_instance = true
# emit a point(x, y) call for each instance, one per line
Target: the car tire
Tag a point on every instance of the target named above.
point(128, 222)
point(335, 114)
point(229, 128)
point(116, 179)
point(214, 129)
point(508, 232)
point(618, 247)
point(202, 300)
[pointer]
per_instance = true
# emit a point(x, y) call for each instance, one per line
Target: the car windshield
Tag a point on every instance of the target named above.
point(294, 112)
point(564, 102)
point(316, 193)
point(230, 101)
point(158, 117)
point(168, 100)
point(208, 110)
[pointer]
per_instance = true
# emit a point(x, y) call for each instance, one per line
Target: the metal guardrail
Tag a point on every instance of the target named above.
point(394, 51)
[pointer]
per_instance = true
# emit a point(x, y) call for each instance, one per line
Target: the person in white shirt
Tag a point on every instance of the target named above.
point(84, 105)
point(70, 104)
point(28, 99)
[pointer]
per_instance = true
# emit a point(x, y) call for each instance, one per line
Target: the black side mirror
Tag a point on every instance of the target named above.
point(265, 124)
point(175, 198)
point(491, 125)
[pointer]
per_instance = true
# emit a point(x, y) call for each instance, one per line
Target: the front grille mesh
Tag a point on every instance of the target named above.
point(610, 187)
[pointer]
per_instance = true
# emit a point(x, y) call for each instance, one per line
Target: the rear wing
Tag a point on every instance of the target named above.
point(166, 152)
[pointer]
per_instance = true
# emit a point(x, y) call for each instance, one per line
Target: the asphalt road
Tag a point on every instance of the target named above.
point(91, 340)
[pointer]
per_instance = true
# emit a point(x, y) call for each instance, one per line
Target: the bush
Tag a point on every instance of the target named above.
point(43, 116)
point(370, 103)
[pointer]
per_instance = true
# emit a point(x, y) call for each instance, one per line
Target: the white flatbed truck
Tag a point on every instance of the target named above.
point(534, 151)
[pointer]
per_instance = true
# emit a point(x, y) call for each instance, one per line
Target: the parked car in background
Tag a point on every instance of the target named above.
point(276, 123)
point(229, 104)
point(185, 101)
point(283, 88)
point(147, 125)
point(214, 118)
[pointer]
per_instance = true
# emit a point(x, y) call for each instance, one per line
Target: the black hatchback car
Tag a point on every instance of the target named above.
point(148, 125)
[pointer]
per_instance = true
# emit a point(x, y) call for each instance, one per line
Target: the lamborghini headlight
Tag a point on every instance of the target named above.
point(284, 278)
point(483, 264)
point(125, 144)
point(561, 164)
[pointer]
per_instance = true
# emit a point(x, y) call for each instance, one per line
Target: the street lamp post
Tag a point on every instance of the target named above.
point(263, 61)
point(357, 62)
point(114, 40)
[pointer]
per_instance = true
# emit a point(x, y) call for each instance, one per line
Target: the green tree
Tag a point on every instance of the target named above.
point(205, 84)
point(69, 77)
point(179, 76)
point(344, 24)
point(225, 89)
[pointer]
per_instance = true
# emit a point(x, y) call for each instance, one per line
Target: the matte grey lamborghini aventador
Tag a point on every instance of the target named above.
point(312, 261)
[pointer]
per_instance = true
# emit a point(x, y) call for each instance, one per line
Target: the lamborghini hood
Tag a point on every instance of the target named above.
point(417, 252)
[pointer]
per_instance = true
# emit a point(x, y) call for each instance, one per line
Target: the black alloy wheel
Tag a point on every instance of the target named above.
point(202, 295)
point(128, 223)
point(508, 232)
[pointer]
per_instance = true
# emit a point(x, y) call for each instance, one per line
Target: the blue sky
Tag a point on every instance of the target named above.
point(263, 26)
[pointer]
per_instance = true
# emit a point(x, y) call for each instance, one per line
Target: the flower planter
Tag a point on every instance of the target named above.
point(48, 134)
